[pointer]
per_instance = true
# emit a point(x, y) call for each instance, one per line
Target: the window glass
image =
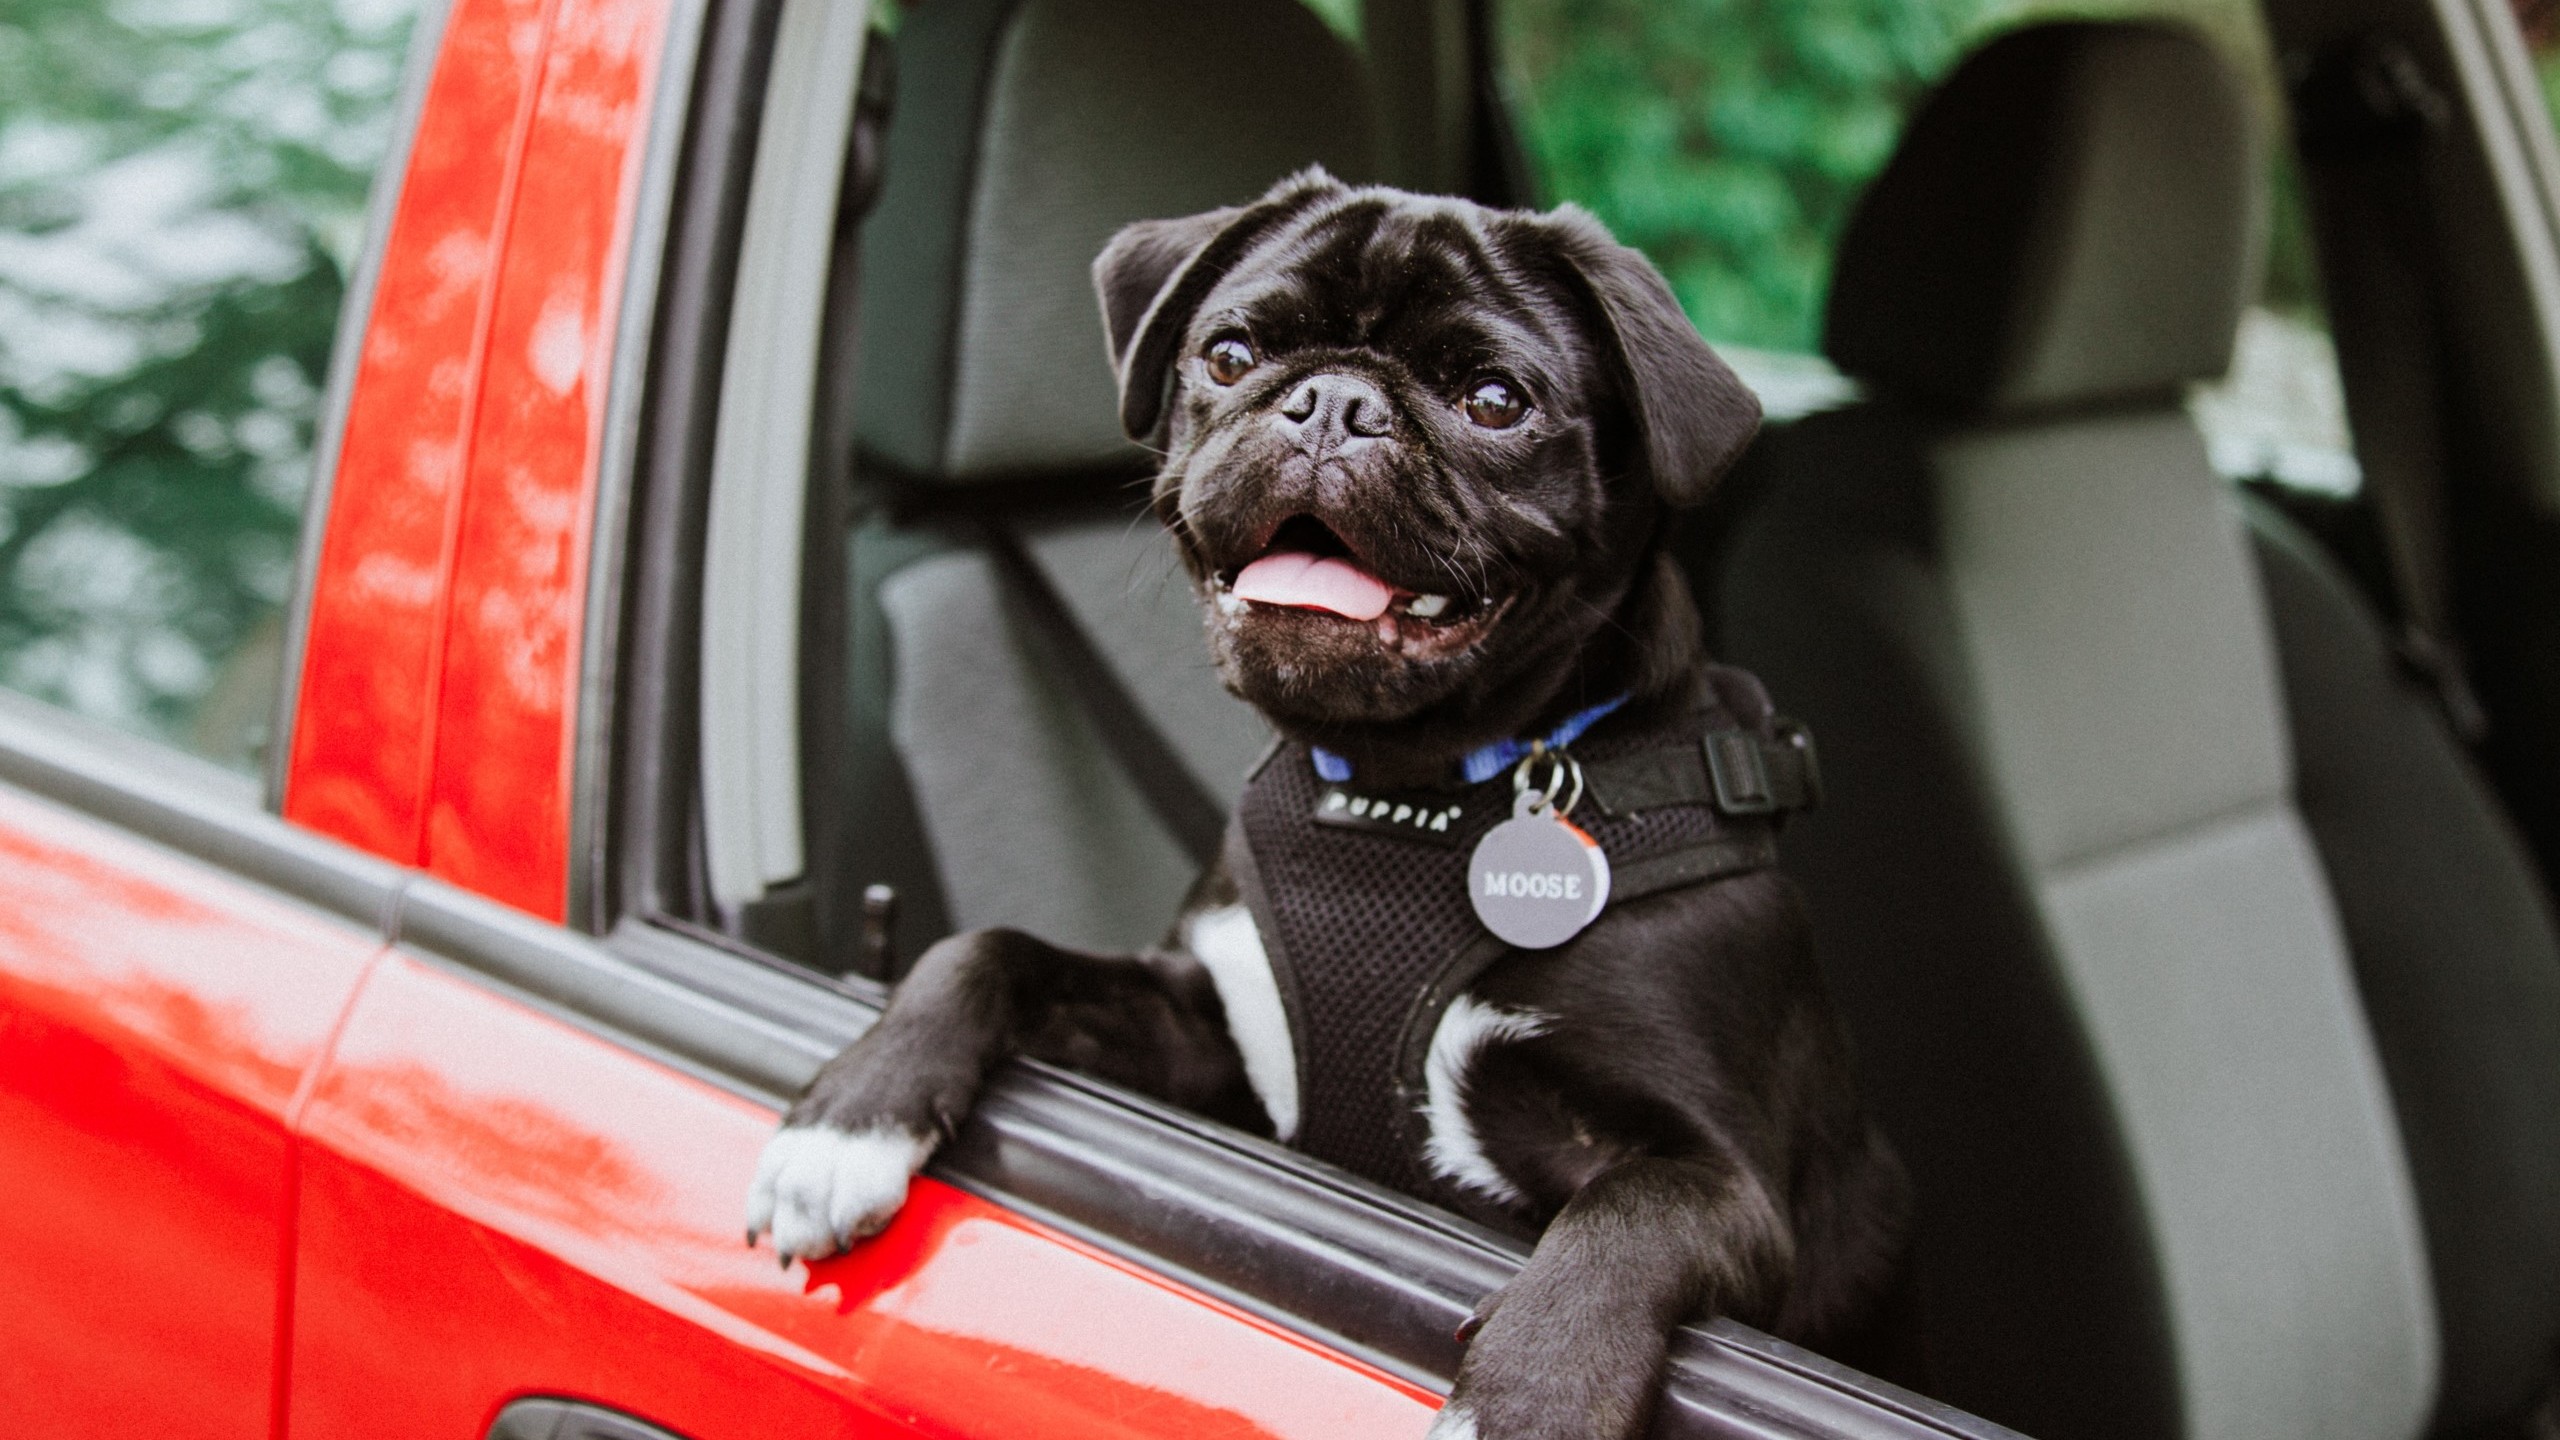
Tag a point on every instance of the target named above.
point(2540, 22)
point(1342, 15)
point(182, 191)
point(1729, 140)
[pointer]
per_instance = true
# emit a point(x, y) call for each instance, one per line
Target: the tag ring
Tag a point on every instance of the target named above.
point(1561, 767)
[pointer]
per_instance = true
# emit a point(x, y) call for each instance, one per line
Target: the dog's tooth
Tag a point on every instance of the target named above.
point(1426, 606)
point(1229, 603)
point(1387, 629)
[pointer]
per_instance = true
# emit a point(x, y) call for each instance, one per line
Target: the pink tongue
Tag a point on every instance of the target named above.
point(1291, 577)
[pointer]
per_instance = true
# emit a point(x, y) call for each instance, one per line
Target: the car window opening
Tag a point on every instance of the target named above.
point(961, 772)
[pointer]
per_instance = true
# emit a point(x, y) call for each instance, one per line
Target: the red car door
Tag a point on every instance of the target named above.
point(161, 1020)
point(173, 960)
point(498, 1202)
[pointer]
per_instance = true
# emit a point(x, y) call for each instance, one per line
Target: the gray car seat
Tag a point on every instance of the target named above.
point(1027, 132)
point(2210, 999)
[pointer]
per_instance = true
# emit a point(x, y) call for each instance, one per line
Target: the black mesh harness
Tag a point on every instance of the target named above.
point(1361, 899)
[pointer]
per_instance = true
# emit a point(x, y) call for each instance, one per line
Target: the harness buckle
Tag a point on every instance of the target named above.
point(1755, 774)
point(1741, 773)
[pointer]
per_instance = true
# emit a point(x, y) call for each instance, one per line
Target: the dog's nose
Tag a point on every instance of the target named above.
point(1331, 410)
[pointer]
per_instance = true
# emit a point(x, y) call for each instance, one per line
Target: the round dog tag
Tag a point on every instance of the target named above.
point(1536, 879)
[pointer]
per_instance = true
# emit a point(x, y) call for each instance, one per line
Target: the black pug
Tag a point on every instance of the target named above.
point(1419, 457)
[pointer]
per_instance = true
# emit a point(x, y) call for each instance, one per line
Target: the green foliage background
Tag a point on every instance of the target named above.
point(182, 183)
point(1728, 138)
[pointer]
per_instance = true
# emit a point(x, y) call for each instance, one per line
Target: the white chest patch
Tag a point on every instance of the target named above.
point(1227, 943)
point(1465, 1029)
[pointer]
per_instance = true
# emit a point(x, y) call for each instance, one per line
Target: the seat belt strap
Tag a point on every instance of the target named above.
point(1060, 646)
point(2369, 118)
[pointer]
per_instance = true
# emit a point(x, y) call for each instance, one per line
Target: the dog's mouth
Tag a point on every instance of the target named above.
point(1307, 569)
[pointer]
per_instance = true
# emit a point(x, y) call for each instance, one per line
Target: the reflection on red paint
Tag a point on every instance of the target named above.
point(156, 1018)
point(230, 986)
point(497, 800)
point(962, 1297)
point(360, 736)
point(437, 713)
point(542, 1210)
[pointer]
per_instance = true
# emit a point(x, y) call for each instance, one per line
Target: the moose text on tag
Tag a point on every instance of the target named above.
point(1536, 879)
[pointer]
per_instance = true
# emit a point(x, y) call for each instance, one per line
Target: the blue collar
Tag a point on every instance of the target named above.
point(1488, 761)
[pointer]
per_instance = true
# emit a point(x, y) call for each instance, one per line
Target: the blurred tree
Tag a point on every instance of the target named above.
point(1728, 139)
point(182, 186)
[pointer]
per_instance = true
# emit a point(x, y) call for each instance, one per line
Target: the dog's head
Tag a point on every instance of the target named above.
point(1416, 450)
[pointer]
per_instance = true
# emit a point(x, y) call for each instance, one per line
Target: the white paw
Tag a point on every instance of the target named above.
point(1456, 1422)
point(820, 1189)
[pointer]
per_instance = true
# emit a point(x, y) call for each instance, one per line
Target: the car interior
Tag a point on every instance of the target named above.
point(2134, 881)
point(2202, 971)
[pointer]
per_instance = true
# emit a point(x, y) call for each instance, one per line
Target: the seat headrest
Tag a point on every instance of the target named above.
point(2072, 217)
point(1026, 133)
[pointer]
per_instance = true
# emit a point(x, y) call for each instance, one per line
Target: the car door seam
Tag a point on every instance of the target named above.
point(289, 1237)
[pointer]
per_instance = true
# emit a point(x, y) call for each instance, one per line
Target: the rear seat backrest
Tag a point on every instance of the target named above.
point(2076, 919)
point(1028, 132)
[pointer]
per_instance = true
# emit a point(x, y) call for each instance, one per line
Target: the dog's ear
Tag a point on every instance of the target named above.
point(1696, 414)
point(1154, 274)
point(1134, 268)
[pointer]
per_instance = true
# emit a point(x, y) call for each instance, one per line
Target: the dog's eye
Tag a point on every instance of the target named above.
point(1495, 403)
point(1230, 357)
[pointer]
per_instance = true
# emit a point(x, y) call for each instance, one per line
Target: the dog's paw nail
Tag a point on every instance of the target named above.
point(1468, 1327)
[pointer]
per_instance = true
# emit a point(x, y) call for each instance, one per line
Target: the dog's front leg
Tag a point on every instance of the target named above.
point(1574, 1345)
point(838, 1170)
